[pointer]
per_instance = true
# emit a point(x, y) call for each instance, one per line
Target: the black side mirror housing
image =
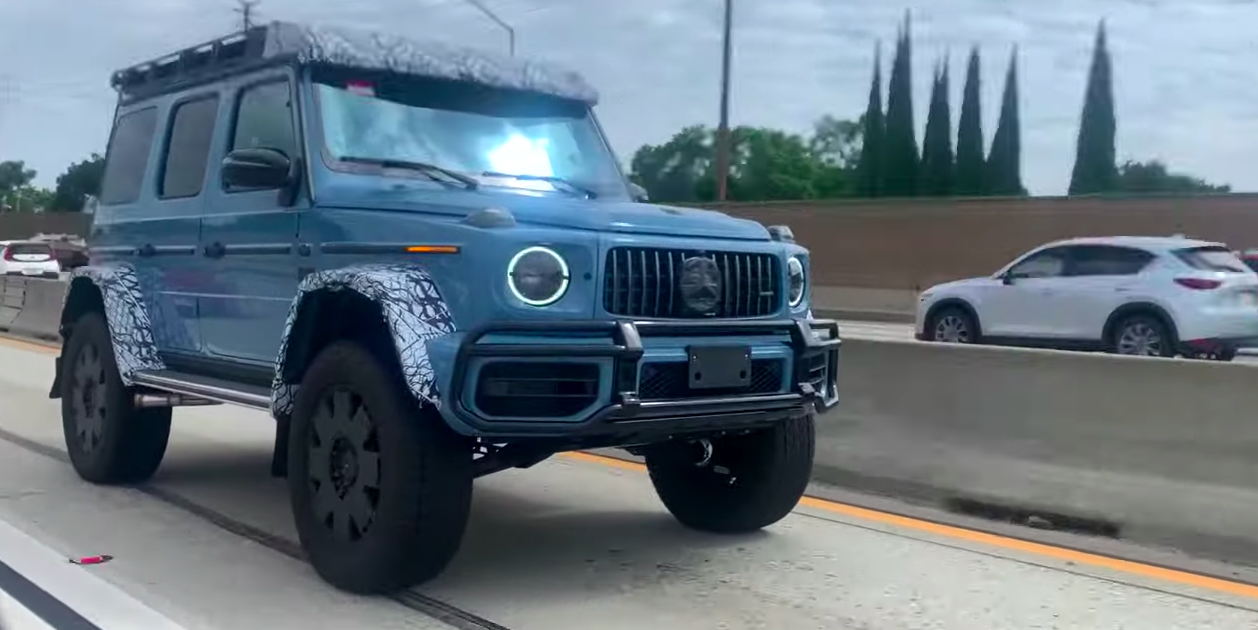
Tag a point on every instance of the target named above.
point(1006, 279)
point(258, 168)
point(639, 193)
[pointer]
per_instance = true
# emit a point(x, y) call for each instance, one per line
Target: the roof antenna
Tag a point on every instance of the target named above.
point(245, 9)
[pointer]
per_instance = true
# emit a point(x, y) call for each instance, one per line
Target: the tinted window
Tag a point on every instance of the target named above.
point(188, 148)
point(128, 154)
point(28, 252)
point(1213, 258)
point(264, 120)
point(1045, 264)
point(1104, 260)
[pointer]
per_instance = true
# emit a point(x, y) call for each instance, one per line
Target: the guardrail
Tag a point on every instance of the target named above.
point(1152, 450)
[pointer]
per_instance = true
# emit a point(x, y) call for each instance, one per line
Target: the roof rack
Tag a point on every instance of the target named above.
point(210, 58)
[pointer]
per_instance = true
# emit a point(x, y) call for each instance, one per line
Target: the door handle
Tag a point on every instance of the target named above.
point(146, 251)
point(214, 250)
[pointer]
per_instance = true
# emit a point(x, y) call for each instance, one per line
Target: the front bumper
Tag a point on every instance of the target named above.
point(627, 418)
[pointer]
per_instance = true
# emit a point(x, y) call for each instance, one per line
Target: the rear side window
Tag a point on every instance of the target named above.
point(128, 155)
point(1213, 258)
point(1108, 260)
point(188, 148)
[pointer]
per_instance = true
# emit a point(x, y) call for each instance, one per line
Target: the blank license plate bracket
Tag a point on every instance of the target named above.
point(718, 367)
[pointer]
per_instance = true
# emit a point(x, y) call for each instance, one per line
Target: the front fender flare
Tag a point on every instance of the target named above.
point(413, 309)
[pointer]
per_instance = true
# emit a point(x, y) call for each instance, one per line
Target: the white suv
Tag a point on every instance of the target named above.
point(1150, 296)
point(31, 259)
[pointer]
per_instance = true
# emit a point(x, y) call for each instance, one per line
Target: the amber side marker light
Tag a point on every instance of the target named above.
point(433, 249)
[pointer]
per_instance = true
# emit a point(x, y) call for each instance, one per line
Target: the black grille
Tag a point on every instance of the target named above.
point(816, 374)
point(667, 381)
point(536, 390)
point(642, 282)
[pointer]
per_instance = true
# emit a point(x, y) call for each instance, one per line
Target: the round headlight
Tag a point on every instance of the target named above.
point(538, 276)
point(795, 267)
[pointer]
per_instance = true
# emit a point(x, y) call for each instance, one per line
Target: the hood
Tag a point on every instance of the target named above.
point(594, 215)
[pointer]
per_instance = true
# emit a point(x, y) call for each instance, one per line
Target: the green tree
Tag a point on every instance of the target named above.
point(937, 144)
point(14, 175)
point(1095, 171)
point(900, 156)
point(869, 167)
point(970, 163)
point(1004, 163)
point(1154, 177)
point(80, 180)
point(672, 171)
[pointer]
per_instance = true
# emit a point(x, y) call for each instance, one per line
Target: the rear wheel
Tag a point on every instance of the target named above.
point(108, 439)
point(1143, 335)
point(381, 490)
point(952, 325)
point(738, 483)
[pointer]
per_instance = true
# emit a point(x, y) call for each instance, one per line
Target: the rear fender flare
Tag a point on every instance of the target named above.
point(413, 310)
point(126, 312)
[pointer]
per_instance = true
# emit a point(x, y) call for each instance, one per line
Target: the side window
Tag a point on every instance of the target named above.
point(128, 155)
point(1103, 260)
point(264, 119)
point(1048, 263)
point(188, 148)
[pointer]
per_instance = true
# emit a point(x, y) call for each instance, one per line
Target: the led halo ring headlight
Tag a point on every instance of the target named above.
point(796, 281)
point(538, 276)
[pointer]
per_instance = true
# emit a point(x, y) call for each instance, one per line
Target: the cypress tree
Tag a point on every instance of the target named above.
point(900, 159)
point(869, 169)
point(970, 163)
point(1004, 163)
point(937, 144)
point(1095, 171)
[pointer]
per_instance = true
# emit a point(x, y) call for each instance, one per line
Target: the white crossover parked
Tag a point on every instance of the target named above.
point(1153, 296)
point(30, 259)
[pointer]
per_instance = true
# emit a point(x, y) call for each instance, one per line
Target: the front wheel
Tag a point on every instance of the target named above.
point(952, 325)
point(735, 484)
point(380, 488)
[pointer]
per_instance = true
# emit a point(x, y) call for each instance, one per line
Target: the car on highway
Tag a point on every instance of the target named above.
point(28, 258)
point(1152, 296)
point(427, 265)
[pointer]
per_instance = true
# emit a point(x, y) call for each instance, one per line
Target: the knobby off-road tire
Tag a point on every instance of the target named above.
point(108, 439)
point(750, 481)
point(380, 488)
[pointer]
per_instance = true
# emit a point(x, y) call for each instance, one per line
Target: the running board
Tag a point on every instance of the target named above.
point(205, 387)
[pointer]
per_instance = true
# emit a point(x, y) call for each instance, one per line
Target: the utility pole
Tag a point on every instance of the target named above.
point(722, 130)
point(246, 12)
point(497, 20)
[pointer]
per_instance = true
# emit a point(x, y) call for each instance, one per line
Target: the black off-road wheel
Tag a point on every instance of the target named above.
point(735, 484)
point(108, 439)
point(381, 488)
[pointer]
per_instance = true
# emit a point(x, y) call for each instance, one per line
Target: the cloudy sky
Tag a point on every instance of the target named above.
point(1184, 79)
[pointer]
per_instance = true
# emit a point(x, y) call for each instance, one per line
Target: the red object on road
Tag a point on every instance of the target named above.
point(91, 560)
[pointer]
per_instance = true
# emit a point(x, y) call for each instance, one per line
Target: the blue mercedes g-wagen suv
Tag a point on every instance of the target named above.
point(428, 266)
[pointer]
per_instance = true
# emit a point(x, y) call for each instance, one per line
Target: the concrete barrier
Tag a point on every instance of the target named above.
point(12, 296)
point(1156, 451)
point(40, 313)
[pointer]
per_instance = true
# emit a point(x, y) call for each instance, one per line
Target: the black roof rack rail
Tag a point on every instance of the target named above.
point(211, 58)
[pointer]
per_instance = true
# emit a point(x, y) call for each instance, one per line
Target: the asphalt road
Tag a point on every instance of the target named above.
point(574, 543)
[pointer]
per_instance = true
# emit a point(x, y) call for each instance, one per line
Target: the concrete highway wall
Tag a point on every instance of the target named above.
point(1155, 450)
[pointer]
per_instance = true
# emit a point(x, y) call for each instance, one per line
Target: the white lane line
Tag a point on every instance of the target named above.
point(64, 595)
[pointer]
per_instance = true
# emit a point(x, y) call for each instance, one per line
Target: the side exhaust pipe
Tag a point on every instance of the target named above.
point(149, 400)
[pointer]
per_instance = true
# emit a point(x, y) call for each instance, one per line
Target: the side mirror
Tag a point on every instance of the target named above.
point(639, 193)
point(1007, 278)
point(257, 168)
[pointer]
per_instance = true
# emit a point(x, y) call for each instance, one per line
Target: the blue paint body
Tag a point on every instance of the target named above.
point(234, 308)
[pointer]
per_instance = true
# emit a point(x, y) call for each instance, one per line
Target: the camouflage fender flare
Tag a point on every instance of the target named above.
point(413, 309)
point(127, 314)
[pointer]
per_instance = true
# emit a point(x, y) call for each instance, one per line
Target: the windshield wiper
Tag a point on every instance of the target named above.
point(572, 187)
point(431, 170)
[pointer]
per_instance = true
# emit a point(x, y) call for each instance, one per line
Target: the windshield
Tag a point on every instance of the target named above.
point(486, 133)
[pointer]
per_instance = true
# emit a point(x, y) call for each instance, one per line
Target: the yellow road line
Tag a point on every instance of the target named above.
point(949, 531)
